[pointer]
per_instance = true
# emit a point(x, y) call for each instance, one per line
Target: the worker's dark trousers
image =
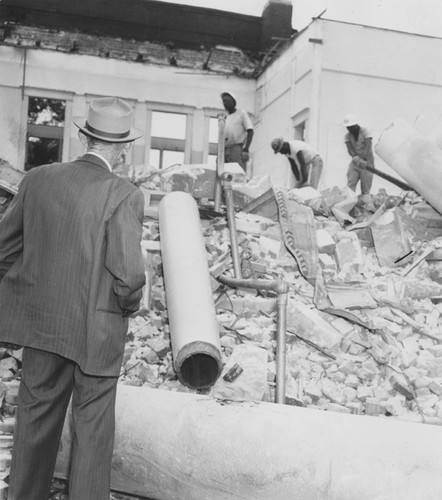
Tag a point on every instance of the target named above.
point(48, 380)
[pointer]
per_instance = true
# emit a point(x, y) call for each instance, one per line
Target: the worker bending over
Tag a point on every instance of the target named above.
point(305, 162)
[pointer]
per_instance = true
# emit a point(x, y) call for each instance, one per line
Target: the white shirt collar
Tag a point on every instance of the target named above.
point(108, 165)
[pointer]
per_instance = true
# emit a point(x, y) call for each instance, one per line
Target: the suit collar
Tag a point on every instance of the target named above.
point(92, 158)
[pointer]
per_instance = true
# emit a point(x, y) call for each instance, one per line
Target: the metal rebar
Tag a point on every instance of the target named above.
point(281, 288)
point(219, 161)
point(230, 208)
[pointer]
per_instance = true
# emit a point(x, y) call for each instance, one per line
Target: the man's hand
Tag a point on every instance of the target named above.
point(245, 155)
point(360, 163)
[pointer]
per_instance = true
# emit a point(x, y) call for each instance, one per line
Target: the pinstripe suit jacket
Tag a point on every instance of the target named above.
point(71, 263)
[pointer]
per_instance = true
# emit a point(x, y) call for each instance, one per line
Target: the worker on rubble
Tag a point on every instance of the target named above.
point(358, 140)
point(71, 272)
point(305, 162)
point(239, 132)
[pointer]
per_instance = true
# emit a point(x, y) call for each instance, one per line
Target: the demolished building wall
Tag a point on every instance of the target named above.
point(338, 68)
point(78, 78)
point(304, 89)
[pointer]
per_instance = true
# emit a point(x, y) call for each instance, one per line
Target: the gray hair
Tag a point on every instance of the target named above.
point(99, 146)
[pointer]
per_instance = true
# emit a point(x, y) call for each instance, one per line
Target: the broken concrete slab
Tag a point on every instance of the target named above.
point(251, 384)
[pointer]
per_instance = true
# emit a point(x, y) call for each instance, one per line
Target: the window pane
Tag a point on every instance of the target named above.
point(170, 125)
point(213, 130)
point(172, 157)
point(211, 159)
point(41, 151)
point(154, 158)
point(42, 111)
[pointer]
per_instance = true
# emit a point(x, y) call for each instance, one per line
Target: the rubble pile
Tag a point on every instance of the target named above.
point(373, 349)
point(363, 336)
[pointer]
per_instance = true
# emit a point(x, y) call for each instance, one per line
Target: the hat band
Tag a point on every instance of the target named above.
point(110, 135)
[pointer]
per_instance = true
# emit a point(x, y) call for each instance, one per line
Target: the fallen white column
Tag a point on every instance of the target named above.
point(417, 159)
point(172, 446)
point(194, 329)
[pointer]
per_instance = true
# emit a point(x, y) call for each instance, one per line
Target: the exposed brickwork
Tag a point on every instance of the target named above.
point(226, 60)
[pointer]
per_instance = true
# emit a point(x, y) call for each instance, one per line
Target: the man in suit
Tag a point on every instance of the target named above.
point(71, 272)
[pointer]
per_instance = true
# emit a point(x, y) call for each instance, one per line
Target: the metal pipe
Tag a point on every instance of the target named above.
point(219, 160)
point(193, 324)
point(171, 445)
point(230, 207)
point(397, 182)
point(281, 288)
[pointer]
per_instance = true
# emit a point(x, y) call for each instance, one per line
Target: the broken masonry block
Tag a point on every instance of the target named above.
point(252, 384)
point(271, 247)
point(253, 224)
point(390, 241)
point(327, 262)
point(400, 387)
point(326, 243)
point(395, 405)
point(435, 388)
point(374, 407)
point(337, 408)
point(364, 393)
point(348, 252)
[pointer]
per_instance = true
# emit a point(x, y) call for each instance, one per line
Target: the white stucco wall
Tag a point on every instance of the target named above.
point(284, 92)
point(78, 78)
point(376, 74)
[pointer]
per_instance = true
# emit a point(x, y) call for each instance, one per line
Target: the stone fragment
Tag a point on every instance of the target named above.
point(395, 405)
point(337, 408)
point(326, 244)
point(351, 380)
point(310, 325)
point(270, 247)
point(349, 394)
point(9, 363)
point(313, 391)
point(349, 254)
point(160, 345)
point(435, 388)
point(149, 355)
point(251, 385)
point(374, 407)
point(364, 393)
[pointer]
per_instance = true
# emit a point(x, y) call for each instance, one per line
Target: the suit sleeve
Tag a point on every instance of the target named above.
point(124, 259)
point(11, 231)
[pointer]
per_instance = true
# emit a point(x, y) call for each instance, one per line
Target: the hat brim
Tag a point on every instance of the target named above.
point(79, 122)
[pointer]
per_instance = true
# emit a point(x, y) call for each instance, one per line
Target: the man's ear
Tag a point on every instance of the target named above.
point(82, 138)
point(127, 147)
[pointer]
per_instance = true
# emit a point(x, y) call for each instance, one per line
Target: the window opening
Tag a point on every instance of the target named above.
point(168, 139)
point(45, 129)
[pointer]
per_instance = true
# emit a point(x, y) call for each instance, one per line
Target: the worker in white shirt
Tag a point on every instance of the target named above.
point(305, 162)
point(239, 132)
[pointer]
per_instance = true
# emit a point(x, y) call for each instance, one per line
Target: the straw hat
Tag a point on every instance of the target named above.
point(109, 119)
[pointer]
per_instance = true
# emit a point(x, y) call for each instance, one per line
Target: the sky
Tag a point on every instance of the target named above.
point(414, 16)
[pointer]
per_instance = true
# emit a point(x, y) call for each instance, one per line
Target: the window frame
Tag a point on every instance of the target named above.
point(165, 143)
